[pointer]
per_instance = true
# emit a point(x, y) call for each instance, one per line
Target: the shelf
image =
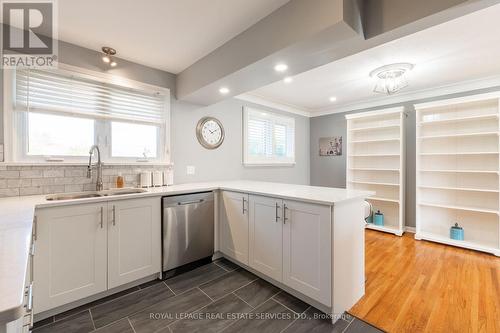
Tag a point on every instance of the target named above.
point(456, 207)
point(376, 140)
point(461, 153)
point(490, 248)
point(443, 136)
point(373, 169)
point(374, 155)
point(460, 119)
point(460, 171)
point(383, 199)
point(371, 128)
point(372, 183)
point(390, 229)
point(458, 189)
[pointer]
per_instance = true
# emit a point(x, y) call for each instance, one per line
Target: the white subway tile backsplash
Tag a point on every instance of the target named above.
point(73, 188)
point(53, 173)
point(31, 173)
point(9, 192)
point(20, 182)
point(9, 174)
point(30, 191)
point(35, 180)
point(75, 172)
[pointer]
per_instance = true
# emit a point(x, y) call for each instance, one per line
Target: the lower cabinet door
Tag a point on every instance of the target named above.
point(71, 254)
point(134, 239)
point(234, 226)
point(307, 257)
point(266, 236)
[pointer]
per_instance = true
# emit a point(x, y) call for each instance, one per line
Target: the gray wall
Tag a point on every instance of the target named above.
point(331, 171)
point(226, 161)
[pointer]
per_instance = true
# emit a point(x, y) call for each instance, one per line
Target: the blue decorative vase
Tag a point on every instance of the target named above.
point(378, 218)
point(457, 232)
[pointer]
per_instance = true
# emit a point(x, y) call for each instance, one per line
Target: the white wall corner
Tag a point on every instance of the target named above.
point(1, 152)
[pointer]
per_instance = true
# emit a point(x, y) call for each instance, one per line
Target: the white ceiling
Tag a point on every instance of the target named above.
point(467, 48)
point(165, 34)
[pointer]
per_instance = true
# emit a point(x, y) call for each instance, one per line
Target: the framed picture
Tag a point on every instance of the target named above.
point(331, 146)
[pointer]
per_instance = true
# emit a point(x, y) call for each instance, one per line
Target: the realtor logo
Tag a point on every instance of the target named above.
point(28, 36)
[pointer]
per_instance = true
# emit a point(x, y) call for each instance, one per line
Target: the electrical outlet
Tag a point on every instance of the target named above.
point(190, 170)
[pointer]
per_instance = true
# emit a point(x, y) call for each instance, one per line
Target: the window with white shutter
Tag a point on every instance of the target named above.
point(269, 138)
point(59, 113)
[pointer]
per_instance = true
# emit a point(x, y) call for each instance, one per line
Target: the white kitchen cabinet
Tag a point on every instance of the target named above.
point(266, 236)
point(307, 249)
point(71, 254)
point(234, 225)
point(288, 241)
point(134, 240)
point(85, 249)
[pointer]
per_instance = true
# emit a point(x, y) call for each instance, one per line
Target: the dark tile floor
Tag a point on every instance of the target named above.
point(215, 297)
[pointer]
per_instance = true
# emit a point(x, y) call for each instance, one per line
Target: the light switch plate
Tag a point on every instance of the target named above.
point(190, 170)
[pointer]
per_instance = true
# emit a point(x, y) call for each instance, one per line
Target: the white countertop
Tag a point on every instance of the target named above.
point(16, 219)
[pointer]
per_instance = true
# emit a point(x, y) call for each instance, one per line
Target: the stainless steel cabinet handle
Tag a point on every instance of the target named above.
point(284, 214)
point(114, 215)
point(29, 294)
point(277, 208)
point(32, 262)
point(102, 217)
point(243, 206)
point(190, 202)
point(35, 222)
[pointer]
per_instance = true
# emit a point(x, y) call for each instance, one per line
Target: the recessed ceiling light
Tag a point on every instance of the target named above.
point(224, 90)
point(333, 99)
point(113, 63)
point(288, 79)
point(281, 67)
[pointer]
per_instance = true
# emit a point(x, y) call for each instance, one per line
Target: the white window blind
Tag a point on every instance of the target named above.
point(48, 91)
point(269, 138)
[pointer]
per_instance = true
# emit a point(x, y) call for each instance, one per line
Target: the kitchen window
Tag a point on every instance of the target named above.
point(269, 138)
point(57, 115)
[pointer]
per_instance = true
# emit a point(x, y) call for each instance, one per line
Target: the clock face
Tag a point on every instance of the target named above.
point(210, 133)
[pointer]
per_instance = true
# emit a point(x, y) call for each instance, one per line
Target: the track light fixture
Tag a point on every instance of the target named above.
point(108, 58)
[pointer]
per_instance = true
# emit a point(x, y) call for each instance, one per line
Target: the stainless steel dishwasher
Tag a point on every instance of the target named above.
point(188, 229)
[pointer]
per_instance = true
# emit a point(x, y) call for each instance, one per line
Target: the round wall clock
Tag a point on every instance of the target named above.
point(210, 132)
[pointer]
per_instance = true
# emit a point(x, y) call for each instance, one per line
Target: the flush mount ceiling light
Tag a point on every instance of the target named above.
point(224, 90)
point(109, 52)
point(391, 78)
point(281, 67)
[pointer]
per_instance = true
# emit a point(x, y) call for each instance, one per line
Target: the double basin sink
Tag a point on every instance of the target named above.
point(94, 194)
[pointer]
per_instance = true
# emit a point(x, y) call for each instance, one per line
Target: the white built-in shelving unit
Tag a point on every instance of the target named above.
point(457, 166)
point(375, 162)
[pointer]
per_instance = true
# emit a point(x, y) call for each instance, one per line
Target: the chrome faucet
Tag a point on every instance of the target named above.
point(98, 166)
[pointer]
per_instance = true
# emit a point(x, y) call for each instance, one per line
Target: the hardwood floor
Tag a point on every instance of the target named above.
point(418, 286)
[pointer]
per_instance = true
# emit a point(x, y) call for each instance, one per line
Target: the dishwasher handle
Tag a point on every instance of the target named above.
point(182, 203)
